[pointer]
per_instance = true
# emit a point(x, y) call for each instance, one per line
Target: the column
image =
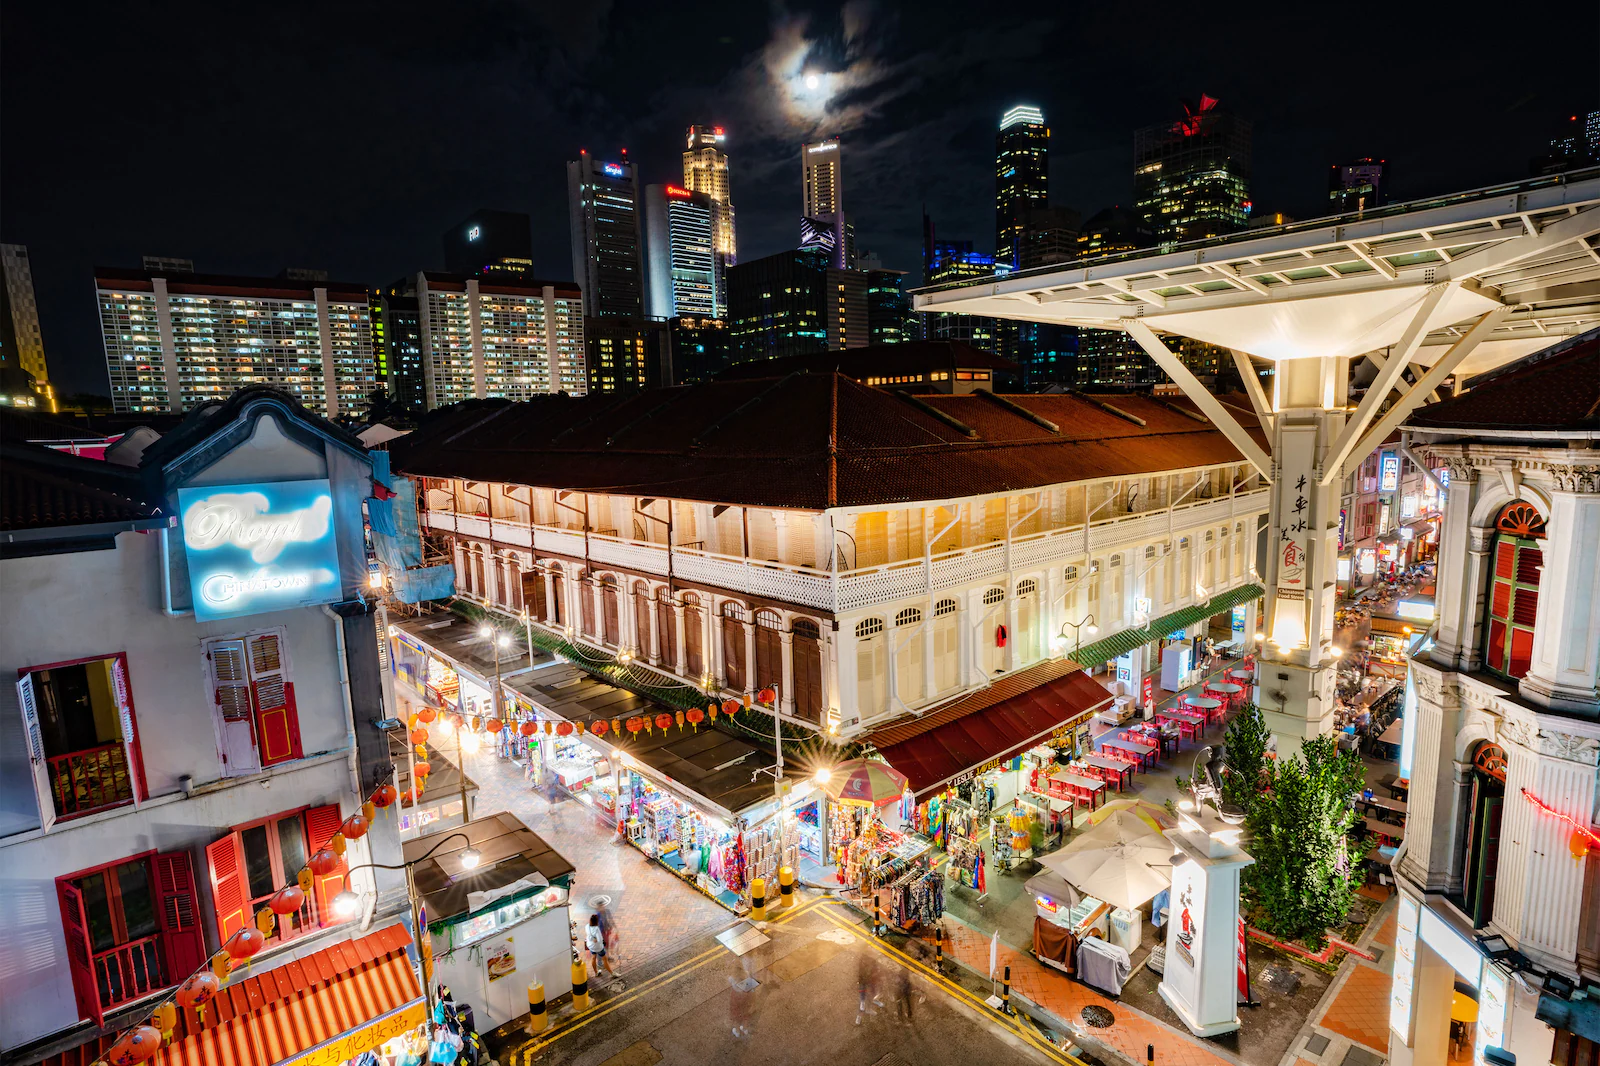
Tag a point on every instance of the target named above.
point(1012, 659)
point(330, 374)
point(1460, 570)
point(830, 669)
point(929, 672)
point(655, 632)
point(681, 663)
point(1427, 862)
point(491, 574)
point(549, 596)
point(599, 609)
point(965, 639)
point(169, 346)
point(1565, 671)
point(786, 689)
point(749, 654)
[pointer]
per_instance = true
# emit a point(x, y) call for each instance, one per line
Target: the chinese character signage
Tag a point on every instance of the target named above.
point(258, 548)
point(1389, 472)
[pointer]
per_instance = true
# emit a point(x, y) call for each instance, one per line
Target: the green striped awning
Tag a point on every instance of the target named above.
point(1108, 648)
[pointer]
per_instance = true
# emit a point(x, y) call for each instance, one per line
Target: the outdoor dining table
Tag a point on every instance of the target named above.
point(1115, 771)
point(1086, 790)
point(1393, 806)
point(1206, 704)
point(1246, 676)
point(1227, 688)
point(1143, 753)
point(1395, 833)
point(1190, 724)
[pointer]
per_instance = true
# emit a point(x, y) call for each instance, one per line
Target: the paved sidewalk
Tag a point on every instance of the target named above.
point(1350, 1027)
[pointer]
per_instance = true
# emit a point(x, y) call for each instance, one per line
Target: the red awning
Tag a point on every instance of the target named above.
point(999, 723)
point(337, 1003)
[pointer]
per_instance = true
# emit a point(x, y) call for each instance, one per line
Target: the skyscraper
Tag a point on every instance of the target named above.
point(21, 344)
point(889, 316)
point(822, 186)
point(1357, 186)
point(1575, 143)
point(487, 337)
point(680, 260)
point(1191, 178)
point(946, 261)
point(603, 200)
point(1110, 356)
point(796, 303)
point(1021, 178)
point(705, 170)
point(397, 327)
point(489, 244)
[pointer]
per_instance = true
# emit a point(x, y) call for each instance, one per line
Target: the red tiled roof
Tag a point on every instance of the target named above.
point(999, 723)
point(908, 358)
point(804, 441)
point(42, 488)
point(1557, 389)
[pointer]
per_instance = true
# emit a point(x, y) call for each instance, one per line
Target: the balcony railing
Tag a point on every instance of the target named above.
point(88, 780)
point(128, 972)
point(848, 590)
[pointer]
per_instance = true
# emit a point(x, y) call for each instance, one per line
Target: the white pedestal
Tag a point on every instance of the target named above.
point(1201, 978)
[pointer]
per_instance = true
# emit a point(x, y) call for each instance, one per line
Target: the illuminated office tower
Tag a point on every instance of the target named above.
point(1021, 179)
point(1191, 178)
point(680, 264)
point(175, 342)
point(21, 344)
point(483, 338)
point(822, 185)
point(603, 199)
point(705, 170)
point(1357, 186)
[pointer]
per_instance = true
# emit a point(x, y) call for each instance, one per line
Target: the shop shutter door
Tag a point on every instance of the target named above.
point(693, 638)
point(79, 954)
point(667, 632)
point(533, 593)
point(182, 939)
point(807, 678)
point(277, 724)
point(946, 654)
point(733, 653)
point(321, 824)
point(228, 885)
point(612, 634)
point(39, 765)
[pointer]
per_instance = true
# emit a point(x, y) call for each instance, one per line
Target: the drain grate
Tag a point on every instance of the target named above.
point(1280, 979)
point(1097, 1017)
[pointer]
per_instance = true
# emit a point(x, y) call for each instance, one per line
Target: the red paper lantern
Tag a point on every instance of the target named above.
point(695, 716)
point(419, 736)
point(634, 725)
point(494, 725)
point(287, 900)
point(598, 727)
point(616, 727)
point(712, 711)
point(135, 1046)
point(663, 721)
point(730, 707)
point(247, 941)
point(198, 990)
point(323, 862)
point(678, 717)
point(564, 729)
point(354, 827)
point(422, 770)
point(528, 729)
point(384, 795)
point(768, 695)
point(426, 714)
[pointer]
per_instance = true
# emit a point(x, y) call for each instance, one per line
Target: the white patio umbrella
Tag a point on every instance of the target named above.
point(1122, 861)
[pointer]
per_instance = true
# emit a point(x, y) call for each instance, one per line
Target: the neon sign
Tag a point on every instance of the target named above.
point(1389, 476)
point(256, 548)
point(612, 169)
point(678, 193)
point(474, 233)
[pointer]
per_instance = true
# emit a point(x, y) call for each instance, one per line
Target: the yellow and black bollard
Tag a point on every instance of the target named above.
point(1150, 1054)
point(1005, 993)
point(877, 916)
point(758, 900)
point(538, 1019)
point(938, 948)
point(580, 986)
point(786, 887)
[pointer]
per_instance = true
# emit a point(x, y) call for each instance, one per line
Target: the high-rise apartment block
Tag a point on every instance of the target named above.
point(1191, 178)
point(603, 199)
point(1049, 237)
point(490, 244)
point(705, 170)
point(1021, 178)
point(681, 268)
point(172, 343)
point(483, 338)
point(21, 343)
point(624, 353)
point(822, 186)
point(1357, 186)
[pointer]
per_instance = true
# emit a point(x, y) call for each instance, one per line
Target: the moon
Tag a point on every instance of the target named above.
point(813, 81)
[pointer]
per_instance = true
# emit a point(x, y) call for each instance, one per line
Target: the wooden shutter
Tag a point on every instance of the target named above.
point(230, 693)
point(229, 895)
point(39, 764)
point(277, 725)
point(586, 594)
point(807, 677)
point(667, 630)
point(769, 657)
point(533, 593)
point(641, 618)
point(609, 599)
point(693, 637)
point(733, 654)
point(80, 956)
point(321, 824)
point(130, 728)
point(182, 939)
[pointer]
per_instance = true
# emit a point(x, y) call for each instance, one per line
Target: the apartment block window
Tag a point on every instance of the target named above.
point(253, 861)
point(83, 740)
point(131, 928)
point(252, 696)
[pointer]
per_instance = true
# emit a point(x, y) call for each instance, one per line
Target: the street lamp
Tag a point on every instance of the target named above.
point(1084, 624)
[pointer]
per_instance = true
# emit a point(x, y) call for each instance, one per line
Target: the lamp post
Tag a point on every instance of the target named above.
point(1086, 622)
point(347, 904)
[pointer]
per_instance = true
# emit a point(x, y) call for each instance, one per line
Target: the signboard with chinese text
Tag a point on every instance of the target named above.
point(341, 1049)
point(1405, 961)
point(258, 548)
point(1389, 472)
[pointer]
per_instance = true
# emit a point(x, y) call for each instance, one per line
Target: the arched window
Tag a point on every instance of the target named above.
point(993, 596)
point(1513, 601)
point(805, 627)
point(908, 617)
point(868, 627)
point(1071, 573)
point(769, 619)
point(1027, 587)
point(946, 647)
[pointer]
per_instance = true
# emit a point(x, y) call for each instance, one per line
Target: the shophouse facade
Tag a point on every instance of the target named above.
point(193, 686)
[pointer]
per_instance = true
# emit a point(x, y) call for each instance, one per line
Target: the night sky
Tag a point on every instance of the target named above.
point(348, 137)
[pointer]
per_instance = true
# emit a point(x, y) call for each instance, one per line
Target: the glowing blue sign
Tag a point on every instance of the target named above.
point(257, 548)
point(612, 169)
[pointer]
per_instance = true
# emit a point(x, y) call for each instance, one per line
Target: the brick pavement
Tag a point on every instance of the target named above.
point(1361, 1009)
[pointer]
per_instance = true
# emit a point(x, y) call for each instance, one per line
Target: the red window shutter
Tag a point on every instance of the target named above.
point(1521, 652)
point(228, 885)
point(277, 723)
point(130, 727)
point(181, 936)
point(1526, 611)
point(1497, 644)
point(1505, 556)
point(321, 824)
point(1529, 564)
point(1500, 604)
point(79, 954)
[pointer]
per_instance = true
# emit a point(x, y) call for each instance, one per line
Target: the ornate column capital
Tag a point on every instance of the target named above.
point(1583, 479)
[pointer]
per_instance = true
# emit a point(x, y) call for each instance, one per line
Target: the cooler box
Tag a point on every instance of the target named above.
point(1126, 929)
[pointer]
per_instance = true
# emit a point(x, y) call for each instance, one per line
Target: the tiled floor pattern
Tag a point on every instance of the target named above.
point(1361, 1009)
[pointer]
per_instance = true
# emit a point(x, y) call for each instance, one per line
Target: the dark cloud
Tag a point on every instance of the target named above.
point(348, 136)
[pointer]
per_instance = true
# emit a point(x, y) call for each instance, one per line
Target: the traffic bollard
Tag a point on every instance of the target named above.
point(758, 900)
point(877, 916)
point(580, 986)
point(785, 887)
point(938, 948)
point(1150, 1054)
point(1005, 993)
point(538, 1019)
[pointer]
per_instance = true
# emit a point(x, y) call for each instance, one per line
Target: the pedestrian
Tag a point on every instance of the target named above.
point(595, 941)
point(905, 1003)
point(866, 983)
point(611, 934)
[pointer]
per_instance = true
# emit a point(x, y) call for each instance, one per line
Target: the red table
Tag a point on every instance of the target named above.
point(1190, 724)
point(1115, 771)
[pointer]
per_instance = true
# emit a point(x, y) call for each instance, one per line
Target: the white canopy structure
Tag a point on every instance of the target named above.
point(1456, 285)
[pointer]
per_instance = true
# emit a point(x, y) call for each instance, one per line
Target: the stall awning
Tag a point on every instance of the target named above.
point(999, 723)
point(508, 852)
point(1107, 648)
point(326, 1007)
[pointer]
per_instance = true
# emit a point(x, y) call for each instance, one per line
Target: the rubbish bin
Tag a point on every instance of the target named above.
point(1126, 929)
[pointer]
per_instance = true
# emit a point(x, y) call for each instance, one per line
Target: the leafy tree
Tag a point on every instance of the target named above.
point(1304, 878)
point(1244, 758)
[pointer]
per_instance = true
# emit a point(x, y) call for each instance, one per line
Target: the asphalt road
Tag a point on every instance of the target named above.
point(819, 991)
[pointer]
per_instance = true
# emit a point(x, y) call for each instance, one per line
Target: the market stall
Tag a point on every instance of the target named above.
point(498, 919)
point(438, 803)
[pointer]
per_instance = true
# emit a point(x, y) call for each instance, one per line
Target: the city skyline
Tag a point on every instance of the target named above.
point(879, 84)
